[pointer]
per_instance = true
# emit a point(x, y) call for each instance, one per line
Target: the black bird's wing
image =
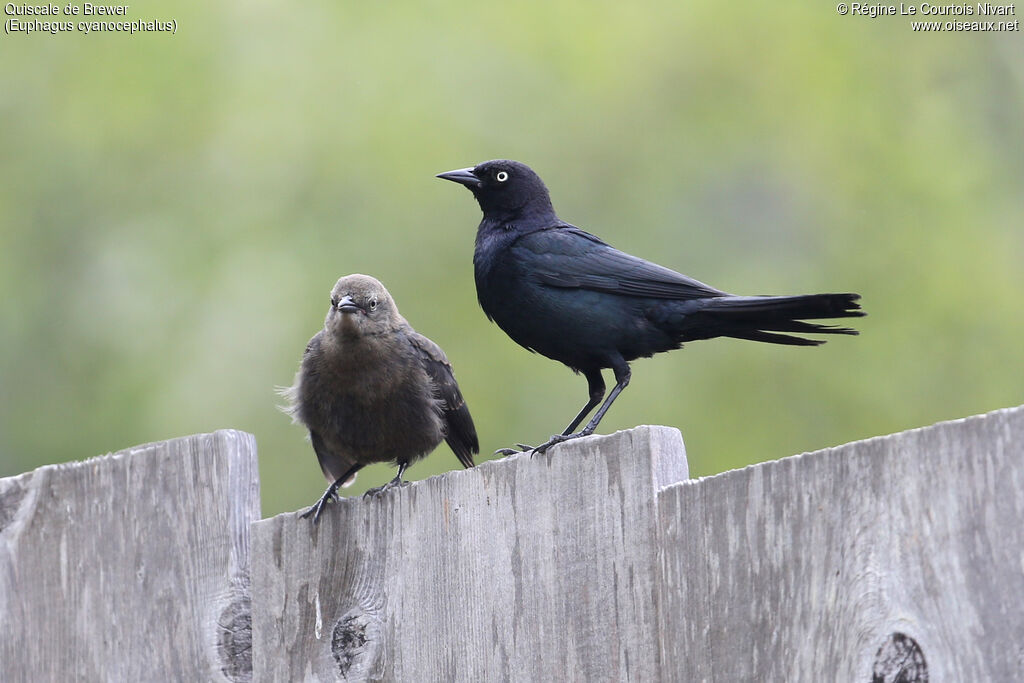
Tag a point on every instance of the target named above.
point(568, 257)
point(460, 433)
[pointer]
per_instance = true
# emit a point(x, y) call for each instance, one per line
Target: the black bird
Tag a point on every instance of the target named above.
point(566, 294)
point(372, 389)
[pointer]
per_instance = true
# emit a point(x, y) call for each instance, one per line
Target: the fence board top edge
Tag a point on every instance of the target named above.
point(93, 460)
point(1014, 412)
point(499, 466)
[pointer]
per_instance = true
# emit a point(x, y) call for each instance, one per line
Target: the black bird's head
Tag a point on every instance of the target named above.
point(506, 190)
point(360, 305)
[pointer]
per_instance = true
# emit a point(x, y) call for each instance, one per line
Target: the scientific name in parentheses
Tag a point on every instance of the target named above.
point(88, 9)
point(982, 9)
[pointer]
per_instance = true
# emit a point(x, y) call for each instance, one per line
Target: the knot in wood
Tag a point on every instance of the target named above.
point(355, 643)
point(900, 660)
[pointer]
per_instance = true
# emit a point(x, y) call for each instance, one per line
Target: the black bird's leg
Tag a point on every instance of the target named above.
point(622, 374)
point(595, 383)
point(329, 494)
point(397, 481)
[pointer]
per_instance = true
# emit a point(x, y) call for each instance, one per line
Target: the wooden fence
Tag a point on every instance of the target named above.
point(899, 558)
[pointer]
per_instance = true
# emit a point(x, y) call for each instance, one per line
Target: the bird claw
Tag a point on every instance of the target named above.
point(557, 439)
point(318, 507)
point(378, 490)
point(315, 511)
point(505, 452)
point(544, 446)
point(539, 450)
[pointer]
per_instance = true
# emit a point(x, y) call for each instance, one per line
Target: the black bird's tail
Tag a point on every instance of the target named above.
point(762, 318)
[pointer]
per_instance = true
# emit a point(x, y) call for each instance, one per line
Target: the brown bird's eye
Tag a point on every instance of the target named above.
point(502, 176)
point(334, 301)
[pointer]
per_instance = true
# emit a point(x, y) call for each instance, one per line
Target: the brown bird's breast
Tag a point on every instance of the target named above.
point(373, 402)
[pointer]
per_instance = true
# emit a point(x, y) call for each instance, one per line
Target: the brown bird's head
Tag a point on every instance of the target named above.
point(360, 305)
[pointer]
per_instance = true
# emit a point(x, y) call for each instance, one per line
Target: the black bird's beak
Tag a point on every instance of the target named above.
point(347, 305)
point(463, 176)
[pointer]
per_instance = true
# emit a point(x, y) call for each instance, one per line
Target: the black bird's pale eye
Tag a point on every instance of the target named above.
point(373, 304)
point(501, 176)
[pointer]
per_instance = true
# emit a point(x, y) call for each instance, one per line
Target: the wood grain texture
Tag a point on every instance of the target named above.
point(897, 556)
point(524, 569)
point(131, 566)
point(897, 559)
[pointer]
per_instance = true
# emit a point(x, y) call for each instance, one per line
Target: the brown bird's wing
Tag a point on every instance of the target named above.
point(459, 430)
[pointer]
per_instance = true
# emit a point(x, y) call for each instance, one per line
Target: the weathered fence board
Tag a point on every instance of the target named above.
point(131, 566)
point(899, 558)
point(525, 569)
point(900, 553)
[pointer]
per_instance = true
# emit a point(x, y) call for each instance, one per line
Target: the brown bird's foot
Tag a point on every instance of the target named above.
point(397, 481)
point(378, 490)
point(329, 495)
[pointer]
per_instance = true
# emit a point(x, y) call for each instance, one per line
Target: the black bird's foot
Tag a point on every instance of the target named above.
point(561, 438)
point(557, 438)
point(539, 450)
point(522, 448)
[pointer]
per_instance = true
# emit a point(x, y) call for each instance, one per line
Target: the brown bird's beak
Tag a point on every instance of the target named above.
point(347, 305)
point(463, 176)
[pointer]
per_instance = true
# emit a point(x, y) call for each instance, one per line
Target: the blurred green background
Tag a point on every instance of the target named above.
point(174, 210)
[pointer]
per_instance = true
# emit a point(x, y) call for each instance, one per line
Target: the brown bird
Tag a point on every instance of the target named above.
point(372, 389)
